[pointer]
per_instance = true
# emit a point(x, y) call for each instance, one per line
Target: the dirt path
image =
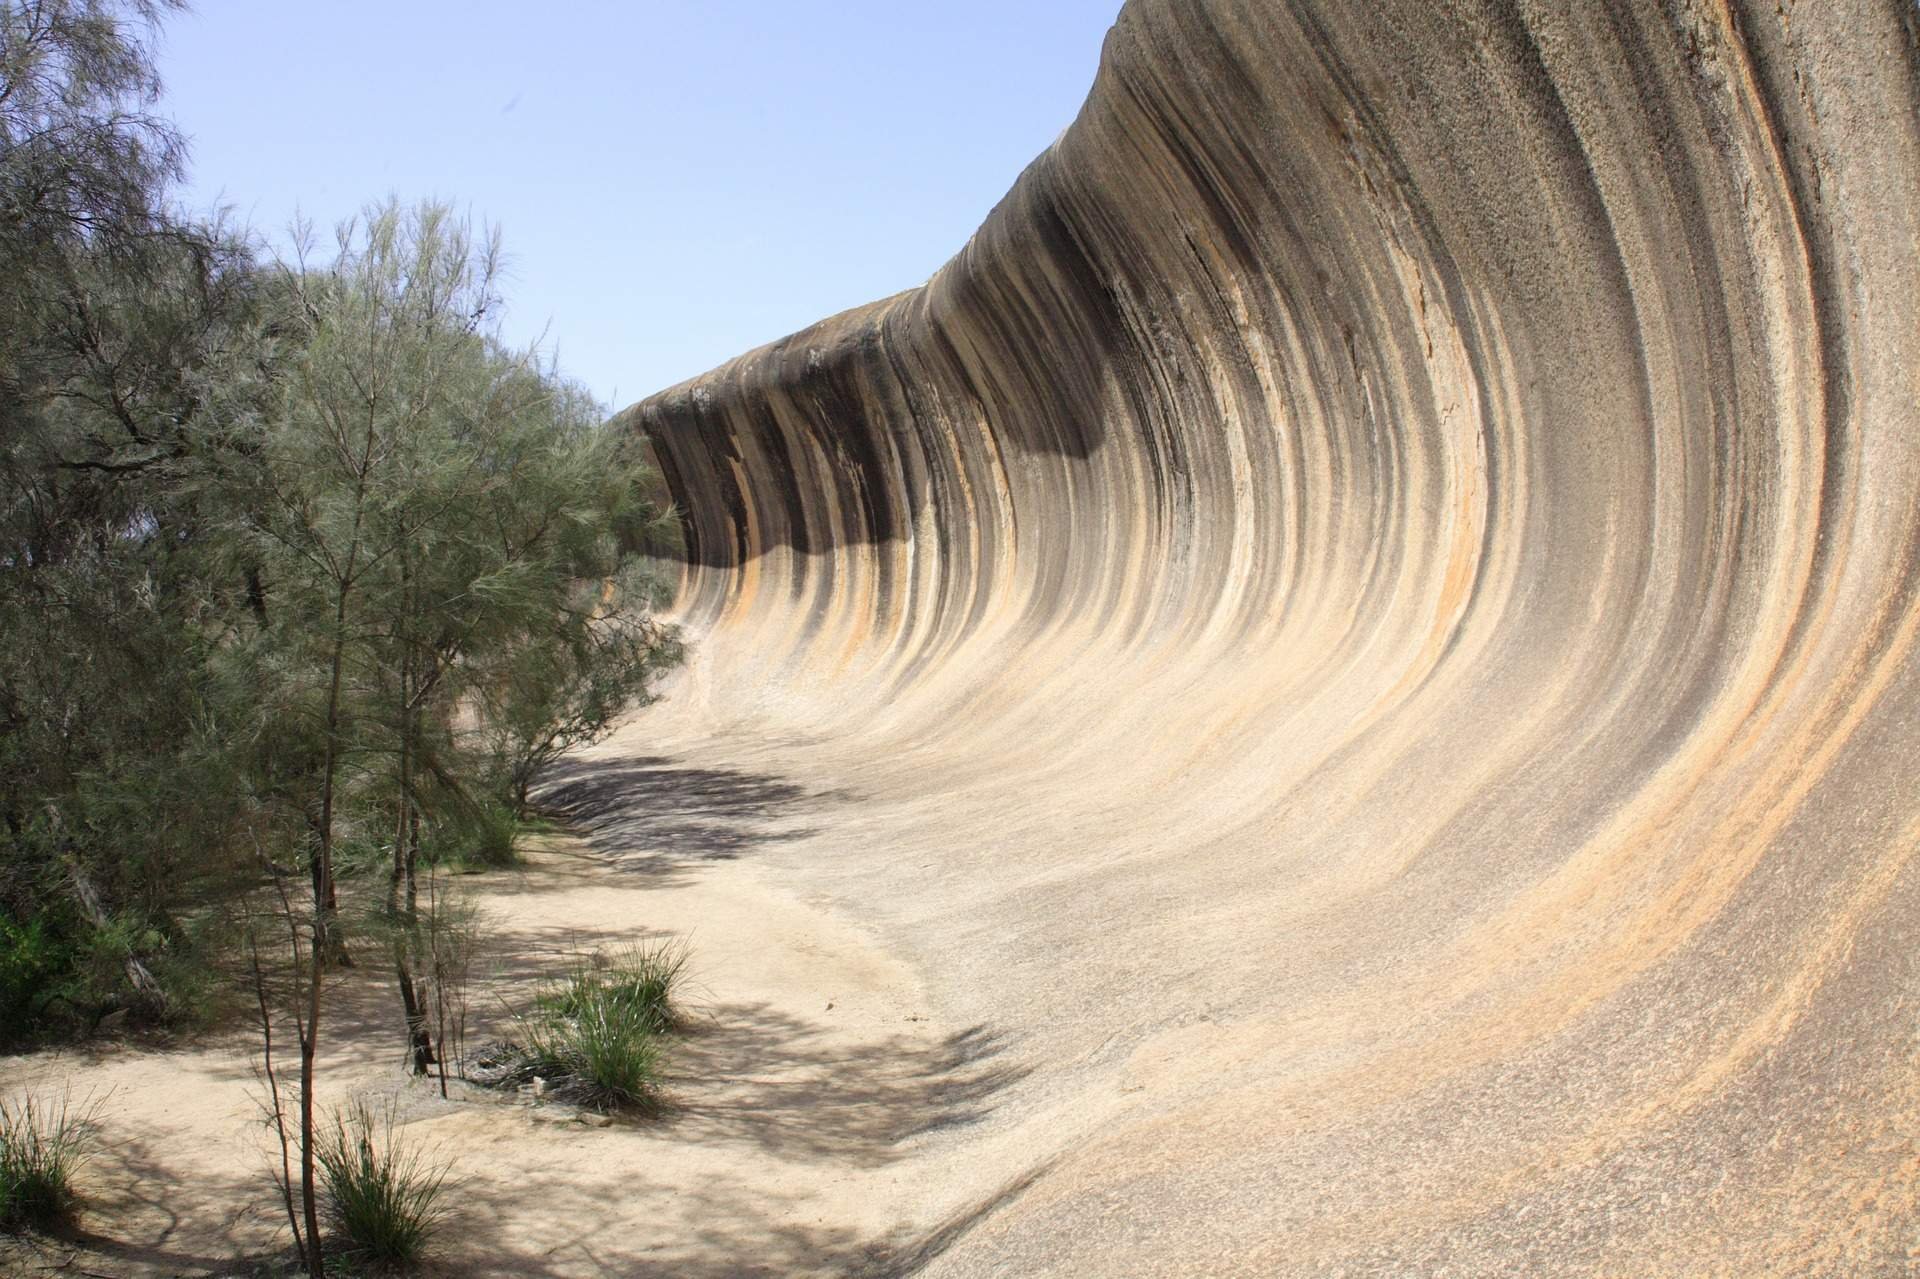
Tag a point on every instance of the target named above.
point(815, 1070)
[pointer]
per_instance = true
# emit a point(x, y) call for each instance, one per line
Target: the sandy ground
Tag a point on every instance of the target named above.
point(814, 1070)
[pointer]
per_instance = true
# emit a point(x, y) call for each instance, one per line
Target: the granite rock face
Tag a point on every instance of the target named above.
point(1391, 559)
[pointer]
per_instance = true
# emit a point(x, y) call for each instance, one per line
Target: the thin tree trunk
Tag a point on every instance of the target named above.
point(424, 1054)
point(440, 976)
point(345, 577)
point(323, 907)
point(402, 892)
point(309, 1044)
point(273, 1094)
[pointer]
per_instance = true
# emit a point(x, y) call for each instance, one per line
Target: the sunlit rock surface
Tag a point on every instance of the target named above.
point(1372, 609)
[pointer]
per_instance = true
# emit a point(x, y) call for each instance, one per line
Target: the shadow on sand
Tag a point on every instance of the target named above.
point(765, 1078)
point(750, 1075)
point(658, 818)
point(746, 1075)
point(128, 1179)
point(739, 1237)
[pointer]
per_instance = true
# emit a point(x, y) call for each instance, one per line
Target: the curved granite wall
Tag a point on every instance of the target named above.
point(1393, 555)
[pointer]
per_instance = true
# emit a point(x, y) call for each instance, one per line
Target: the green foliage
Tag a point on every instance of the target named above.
point(80, 153)
point(597, 1035)
point(193, 541)
point(42, 1146)
point(605, 1053)
point(445, 511)
point(432, 525)
point(33, 960)
point(305, 576)
point(643, 978)
point(600, 661)
point(121, 330)
point(383, 1200)
point(492, 835)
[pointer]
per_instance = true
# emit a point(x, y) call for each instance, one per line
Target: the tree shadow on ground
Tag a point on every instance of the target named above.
point(739, 1236)
point(654, 817)
point(798, 1090)
point(807, 1091)
point(750, 1073)
point(130, 1181)
point(362, 1017)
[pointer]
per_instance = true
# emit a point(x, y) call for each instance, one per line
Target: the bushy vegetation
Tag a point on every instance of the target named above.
point(303, 568)
point(606, 1054)
point(42, 1145)
point(384, 1200)
point(647, 979)
point(119, 326)
point(596, 1037)
point(306, 573)
point(493, 835)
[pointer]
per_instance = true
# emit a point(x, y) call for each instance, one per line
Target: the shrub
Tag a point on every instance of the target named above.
point(494, 836)
point(642, 978)
point(383, 1201)
point(34, 967)
point(42, 1145)
point(606, 1054)
point(595, 1037)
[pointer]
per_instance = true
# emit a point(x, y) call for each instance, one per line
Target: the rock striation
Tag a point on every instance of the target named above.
point(1375, 602)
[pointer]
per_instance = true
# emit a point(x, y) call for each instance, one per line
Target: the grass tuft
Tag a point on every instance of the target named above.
point(383, 1200)
point(642, 979)
point(42, 1145)
point(606, 1055)
point(495, 836)
point(596, 1037)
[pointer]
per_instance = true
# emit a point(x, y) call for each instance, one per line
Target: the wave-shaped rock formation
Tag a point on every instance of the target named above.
point(1366, 623)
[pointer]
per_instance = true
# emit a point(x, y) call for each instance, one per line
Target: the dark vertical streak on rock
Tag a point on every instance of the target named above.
point(1389, 565)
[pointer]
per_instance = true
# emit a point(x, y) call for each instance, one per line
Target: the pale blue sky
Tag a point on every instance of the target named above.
point(676, 181)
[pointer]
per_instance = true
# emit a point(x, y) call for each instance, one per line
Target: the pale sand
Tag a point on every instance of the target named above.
point(796, 1098)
